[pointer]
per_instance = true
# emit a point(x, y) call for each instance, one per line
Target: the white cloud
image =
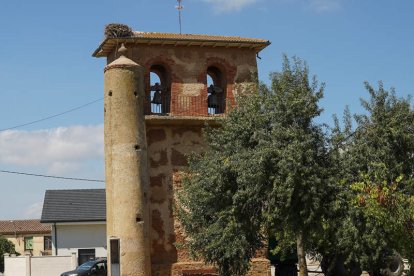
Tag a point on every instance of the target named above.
point(325, 5)
point(34, 211)
point(229, 5)
point(60, 150)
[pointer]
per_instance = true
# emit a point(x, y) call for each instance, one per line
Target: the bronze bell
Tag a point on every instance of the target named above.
point(213, 101)
point(157, 99)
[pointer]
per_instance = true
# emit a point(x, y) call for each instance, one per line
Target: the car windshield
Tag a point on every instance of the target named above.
point(86, 266)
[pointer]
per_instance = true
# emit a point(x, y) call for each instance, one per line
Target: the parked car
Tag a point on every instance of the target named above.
point(91, 268)
point(393, 267)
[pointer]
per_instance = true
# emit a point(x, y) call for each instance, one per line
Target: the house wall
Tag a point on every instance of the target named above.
point(38, 244)
point(71, 237)
point(38, 266)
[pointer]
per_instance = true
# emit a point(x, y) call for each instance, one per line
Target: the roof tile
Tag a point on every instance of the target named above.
point(74, 205)
point(204, 37)
point(154, 38)
point(29, 226)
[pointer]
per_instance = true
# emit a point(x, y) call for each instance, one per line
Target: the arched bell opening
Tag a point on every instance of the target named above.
point(160, 86)
point(216, 90)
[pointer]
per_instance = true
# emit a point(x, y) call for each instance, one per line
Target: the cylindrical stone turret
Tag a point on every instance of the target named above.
point(126, 167)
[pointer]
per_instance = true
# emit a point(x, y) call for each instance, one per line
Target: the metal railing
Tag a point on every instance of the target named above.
point(157, 105)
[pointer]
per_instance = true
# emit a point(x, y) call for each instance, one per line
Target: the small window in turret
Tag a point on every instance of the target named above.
point(215, 91)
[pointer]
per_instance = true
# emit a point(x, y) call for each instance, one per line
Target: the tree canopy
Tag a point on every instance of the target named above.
point(375, 176)
point(271, 171)
point(265, 172)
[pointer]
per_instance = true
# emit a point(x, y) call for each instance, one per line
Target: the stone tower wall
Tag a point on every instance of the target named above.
point(126, 168)
point(168, 145)
point(171, 138)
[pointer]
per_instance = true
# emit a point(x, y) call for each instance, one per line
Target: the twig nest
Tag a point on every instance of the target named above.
point(114, 30)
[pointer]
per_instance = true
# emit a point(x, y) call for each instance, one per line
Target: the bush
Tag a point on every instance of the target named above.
point(6, 246)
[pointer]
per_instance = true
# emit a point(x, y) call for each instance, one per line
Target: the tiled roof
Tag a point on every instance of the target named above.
point(155, 38)
point(29, 226)
point(200, 37)
point(78, 205)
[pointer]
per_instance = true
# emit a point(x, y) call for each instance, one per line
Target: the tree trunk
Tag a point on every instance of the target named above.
point(303, 269)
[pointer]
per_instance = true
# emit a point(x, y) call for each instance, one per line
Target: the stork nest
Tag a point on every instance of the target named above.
point(114, 30)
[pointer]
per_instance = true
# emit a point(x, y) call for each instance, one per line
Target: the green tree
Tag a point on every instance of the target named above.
point(265, 172)
point(374, 171)
point(5, 247)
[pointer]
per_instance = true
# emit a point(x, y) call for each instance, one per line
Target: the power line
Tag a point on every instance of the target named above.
point(53, 176)
point(52, 116)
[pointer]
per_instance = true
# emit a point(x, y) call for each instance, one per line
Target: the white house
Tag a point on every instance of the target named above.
point(78, 220)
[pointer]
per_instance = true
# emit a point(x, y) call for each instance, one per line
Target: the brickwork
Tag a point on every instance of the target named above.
point(175, 131)
point(184, 73)
point(259, 267)
point(169, 145)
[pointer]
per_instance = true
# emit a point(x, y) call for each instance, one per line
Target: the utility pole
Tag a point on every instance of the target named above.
point(179, 7)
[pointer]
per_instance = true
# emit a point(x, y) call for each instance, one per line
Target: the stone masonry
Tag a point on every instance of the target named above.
point(143, 171)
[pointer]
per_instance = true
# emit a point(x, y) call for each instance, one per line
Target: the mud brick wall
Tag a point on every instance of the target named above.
point(185, 69)
point(169, 143)
point(168, 146)
point(259, 267)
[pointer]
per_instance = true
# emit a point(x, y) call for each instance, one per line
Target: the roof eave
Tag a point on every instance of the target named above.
point(25, 232)
point(71, 220)
point(258, 46)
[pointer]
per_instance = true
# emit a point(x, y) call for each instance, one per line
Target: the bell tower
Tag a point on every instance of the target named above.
point(160, 91)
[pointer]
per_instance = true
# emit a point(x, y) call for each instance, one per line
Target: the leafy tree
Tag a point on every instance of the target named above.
point(374, 170)
point(266, 171)
point(6, 246)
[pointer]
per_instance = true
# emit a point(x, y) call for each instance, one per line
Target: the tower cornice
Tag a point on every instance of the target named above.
point(154, 38)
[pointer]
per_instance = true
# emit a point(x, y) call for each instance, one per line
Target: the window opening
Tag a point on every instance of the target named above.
point(47, 243)
point(210, 85)
point(156, 97)
point(28, 243)
point(159, 90)
point(215, 91)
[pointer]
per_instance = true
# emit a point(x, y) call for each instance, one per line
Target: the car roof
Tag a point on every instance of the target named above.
point(100, 260)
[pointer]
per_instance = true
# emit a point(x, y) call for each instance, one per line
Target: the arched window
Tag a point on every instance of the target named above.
point(216, 90)
point(159, 90)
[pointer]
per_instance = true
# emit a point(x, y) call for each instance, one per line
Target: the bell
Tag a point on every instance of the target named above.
point(157, 99)
point(156, 87)
point(218, 89)
point(213, 101)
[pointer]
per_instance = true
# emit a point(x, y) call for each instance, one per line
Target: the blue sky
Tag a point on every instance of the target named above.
point(46, 68)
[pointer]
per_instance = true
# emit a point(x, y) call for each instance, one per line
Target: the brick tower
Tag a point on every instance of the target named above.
point(166, 86)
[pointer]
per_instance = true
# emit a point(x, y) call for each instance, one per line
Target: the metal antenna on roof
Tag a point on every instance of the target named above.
point(179, 8)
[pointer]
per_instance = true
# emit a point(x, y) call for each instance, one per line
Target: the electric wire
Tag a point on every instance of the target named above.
point(44, 119)
point(53, 176)
point(52, 116)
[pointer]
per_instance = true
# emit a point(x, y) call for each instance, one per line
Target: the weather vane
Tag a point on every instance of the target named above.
point(179, 8)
